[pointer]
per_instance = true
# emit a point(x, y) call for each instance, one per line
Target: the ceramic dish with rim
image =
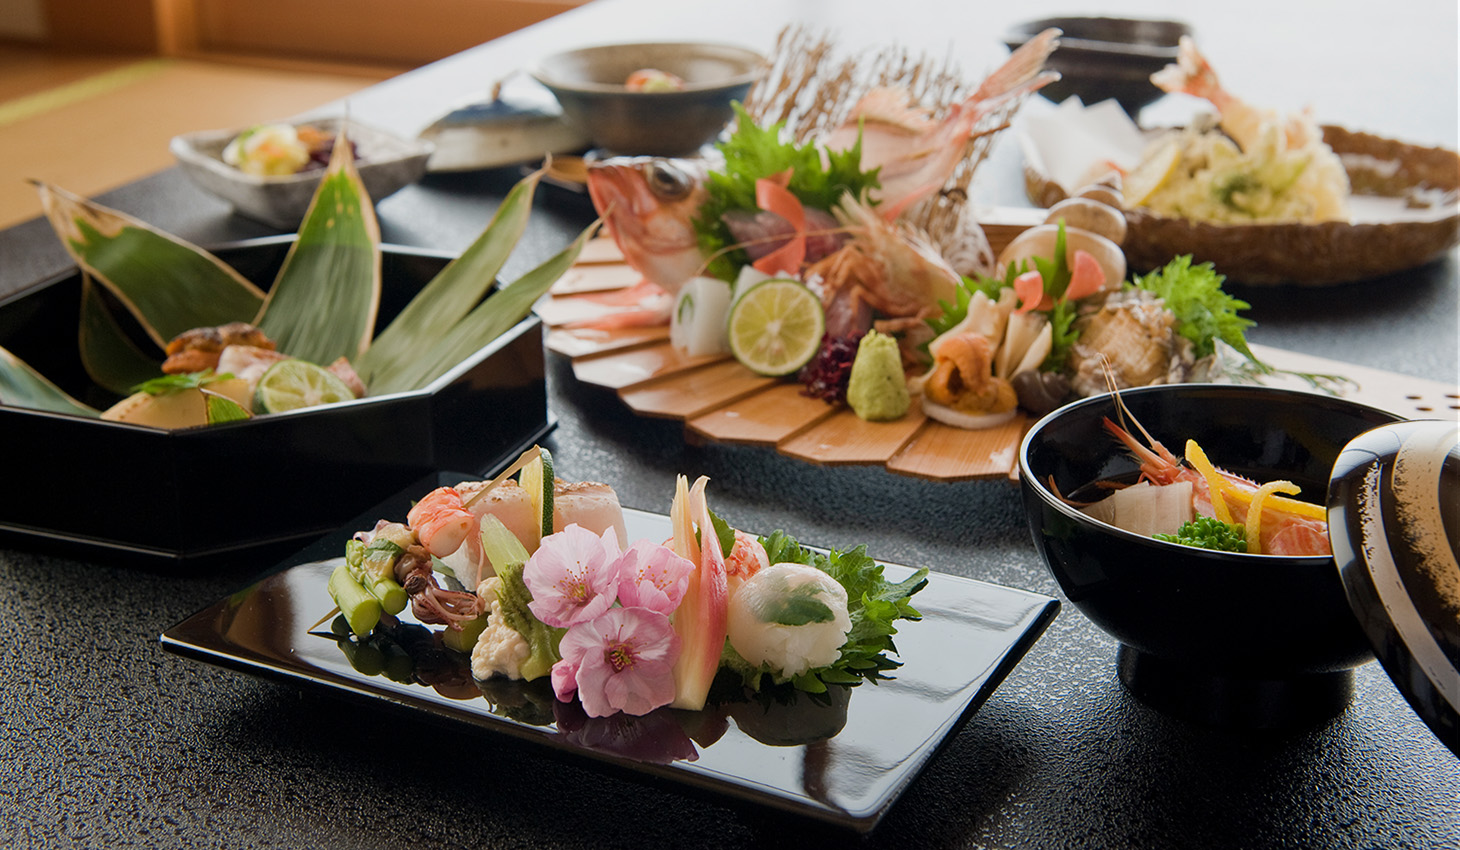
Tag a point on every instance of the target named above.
point(194, 497)
point(1103, 57)
point(1404, 213)
point(845, 762)
point(1225, 639)
point(589, 83)
point(386, 164)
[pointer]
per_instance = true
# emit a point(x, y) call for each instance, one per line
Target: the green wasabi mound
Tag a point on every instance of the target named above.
point(877, 390)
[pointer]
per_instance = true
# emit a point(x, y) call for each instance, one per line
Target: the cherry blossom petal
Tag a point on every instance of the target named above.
point(652, 576)
point(626, 661)
point(573, 576)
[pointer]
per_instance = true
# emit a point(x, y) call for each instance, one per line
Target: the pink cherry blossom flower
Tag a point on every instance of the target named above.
point(652, 576)
point(624, 661)
point(573, 576)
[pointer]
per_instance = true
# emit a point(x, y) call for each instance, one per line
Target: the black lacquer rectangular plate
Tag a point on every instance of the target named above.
point(845, 763)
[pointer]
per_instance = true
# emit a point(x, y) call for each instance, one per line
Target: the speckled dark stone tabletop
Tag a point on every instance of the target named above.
point(108, 741)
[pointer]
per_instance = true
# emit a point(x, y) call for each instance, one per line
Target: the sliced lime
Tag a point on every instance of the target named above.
point(537, 480)
point(292, 384)
point(775, 328)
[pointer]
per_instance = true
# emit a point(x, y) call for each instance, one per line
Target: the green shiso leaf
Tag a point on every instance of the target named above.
point(1204, 313)
point(819, 179)
point(873, 603)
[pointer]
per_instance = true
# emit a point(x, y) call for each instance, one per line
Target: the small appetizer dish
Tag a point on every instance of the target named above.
point(257, 371)
point(1271, 199)
point(269, 172)
point(1190, 522)
point(652, 98)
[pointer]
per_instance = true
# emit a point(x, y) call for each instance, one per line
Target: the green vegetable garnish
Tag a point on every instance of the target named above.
point(1204, 313)
point(1209, 533)
point(1054, 273)
point(168, 384)
point(754, 152)
point(873, 602)
point(508, 555)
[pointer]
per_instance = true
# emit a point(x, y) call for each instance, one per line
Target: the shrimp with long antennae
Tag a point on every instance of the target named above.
point(1274, 525)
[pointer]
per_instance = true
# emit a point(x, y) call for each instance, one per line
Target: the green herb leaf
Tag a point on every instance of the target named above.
point(169, 384)
point(873, 603)
point(1204, 313)
point(752, 153)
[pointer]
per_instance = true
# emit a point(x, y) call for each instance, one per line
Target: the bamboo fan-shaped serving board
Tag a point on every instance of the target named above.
point(721, 401)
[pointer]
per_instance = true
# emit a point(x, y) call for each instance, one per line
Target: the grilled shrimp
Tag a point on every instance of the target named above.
point(440, 521)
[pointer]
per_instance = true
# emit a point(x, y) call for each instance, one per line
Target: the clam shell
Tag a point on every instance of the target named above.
point(1089, 214)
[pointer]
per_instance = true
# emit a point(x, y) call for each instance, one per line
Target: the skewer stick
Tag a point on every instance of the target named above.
point(333, 611)
point(527, 457)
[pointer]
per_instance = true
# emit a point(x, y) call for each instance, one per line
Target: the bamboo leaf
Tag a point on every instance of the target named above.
point(452, 293)
point(170, 285)
point(109, 356)
point(323, 303)
point(22, 386)
point(499, 312)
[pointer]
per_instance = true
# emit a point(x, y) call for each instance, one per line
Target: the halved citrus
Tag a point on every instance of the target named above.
point(775, 328)
point(292, 384)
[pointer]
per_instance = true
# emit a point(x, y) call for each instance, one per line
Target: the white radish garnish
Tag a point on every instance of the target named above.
point(790, 617)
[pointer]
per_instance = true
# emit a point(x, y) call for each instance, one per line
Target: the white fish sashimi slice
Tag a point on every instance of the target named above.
point(591, 505)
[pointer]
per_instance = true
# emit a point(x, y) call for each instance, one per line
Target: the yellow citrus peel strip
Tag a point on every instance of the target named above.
point(1239, 497)
point(1254, 512)
point(1216, 485)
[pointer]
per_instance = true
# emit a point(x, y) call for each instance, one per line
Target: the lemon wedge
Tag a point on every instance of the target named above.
point(1155, 168)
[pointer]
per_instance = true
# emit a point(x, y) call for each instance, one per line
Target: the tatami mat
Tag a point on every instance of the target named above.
point(89, 124)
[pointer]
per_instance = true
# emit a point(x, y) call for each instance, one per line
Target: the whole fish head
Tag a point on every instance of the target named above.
point(650, 204)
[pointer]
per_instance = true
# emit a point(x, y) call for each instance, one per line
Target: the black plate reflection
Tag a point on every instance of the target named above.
point(742, 750)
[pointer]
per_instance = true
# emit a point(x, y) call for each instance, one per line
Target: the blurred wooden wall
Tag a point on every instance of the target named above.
point(405, 33)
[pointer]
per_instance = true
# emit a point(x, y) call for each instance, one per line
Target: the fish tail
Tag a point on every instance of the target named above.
point(1024, 70)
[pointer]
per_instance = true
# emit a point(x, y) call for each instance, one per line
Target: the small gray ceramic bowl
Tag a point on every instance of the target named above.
point(386, 163)
point(589, 84)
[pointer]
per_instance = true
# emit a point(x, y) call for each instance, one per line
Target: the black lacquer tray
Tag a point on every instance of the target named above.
point(845, 763)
